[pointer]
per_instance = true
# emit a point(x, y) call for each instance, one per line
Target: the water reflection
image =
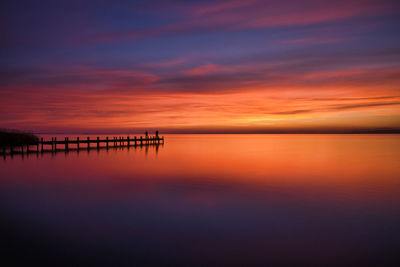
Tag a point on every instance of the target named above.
point(209, 199)
point(37, 154)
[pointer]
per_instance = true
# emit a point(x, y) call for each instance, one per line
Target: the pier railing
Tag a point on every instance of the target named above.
point(85, 143)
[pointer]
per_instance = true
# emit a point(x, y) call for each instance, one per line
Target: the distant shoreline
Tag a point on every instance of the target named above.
point(249, 133)
point(152, 130)
point(16, 138)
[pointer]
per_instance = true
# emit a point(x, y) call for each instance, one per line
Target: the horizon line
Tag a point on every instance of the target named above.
point(383, 130)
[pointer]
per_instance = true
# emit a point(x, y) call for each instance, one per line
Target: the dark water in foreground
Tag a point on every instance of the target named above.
point(207, 199)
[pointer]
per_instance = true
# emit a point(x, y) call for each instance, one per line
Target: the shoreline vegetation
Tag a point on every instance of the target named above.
point(17, 138)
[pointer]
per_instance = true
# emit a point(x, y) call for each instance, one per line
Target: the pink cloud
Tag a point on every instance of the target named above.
point(220, 6)
point(168, 63)
point(205, 69)
point(261, 14)
point(314, 40)
point(243, 15)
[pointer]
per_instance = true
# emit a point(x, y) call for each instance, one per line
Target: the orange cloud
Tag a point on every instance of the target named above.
point(253, 110)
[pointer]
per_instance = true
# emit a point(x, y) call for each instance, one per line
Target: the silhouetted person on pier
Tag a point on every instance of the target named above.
point(157, 134)
point(146, 134)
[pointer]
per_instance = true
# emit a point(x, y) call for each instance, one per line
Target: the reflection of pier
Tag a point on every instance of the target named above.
point(79, 144)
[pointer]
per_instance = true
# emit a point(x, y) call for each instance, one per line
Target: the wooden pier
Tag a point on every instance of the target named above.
point(66, 144)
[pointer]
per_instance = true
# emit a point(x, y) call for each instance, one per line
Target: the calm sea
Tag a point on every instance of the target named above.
point(207, 200)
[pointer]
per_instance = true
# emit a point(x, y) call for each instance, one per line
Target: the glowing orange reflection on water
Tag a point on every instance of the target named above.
point(202, 196)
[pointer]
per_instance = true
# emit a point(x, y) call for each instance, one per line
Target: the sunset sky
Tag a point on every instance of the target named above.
point(199, 66)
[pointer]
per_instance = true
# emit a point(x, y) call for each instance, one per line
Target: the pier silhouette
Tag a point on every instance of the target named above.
point(54, 145)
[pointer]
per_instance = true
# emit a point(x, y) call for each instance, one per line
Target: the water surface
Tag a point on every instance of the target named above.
point(208, 199)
